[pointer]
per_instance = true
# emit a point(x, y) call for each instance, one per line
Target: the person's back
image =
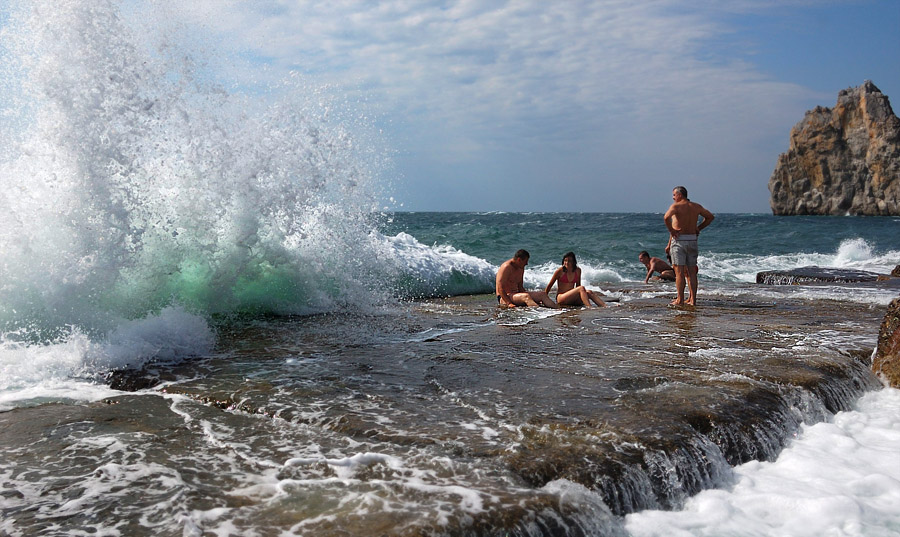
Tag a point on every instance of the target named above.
point(684, 215)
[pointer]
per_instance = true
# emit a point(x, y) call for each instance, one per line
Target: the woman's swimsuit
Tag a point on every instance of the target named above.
point(564, 278)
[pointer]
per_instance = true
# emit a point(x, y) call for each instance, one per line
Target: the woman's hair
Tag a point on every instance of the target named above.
point(574, 261)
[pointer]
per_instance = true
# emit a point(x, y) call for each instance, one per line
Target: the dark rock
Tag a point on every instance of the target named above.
point(815, 274)
point(886, 363)
point(896, 271)
point(131, 380)
point(844, 160)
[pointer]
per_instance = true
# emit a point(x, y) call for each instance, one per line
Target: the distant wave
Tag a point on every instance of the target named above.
point(851, 254)
point(418, 271)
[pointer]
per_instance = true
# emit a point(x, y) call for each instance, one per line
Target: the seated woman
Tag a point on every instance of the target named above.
point(569, 291)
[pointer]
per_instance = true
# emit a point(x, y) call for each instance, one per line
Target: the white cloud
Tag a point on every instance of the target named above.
point(498, 60)
point(464, 79)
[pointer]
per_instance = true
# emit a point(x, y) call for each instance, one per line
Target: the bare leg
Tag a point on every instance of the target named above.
point(572, 297)
point(596, 298)
point(693, 283)
point(543, 298)
point(585, 296)
point(523, 299)
point(679, 284)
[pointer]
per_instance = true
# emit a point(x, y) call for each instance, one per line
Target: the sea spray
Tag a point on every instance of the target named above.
point(139, 198)
point(138, 184)
point(137, 190)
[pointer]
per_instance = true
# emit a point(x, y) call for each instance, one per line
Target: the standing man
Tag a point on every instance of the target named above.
point(682, 221)
point(511, 285)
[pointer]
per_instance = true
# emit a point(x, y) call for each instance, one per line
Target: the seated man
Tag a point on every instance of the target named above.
point(655, 264)
point(511, 285)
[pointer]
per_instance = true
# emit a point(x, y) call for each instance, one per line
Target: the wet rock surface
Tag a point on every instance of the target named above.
point(455, 403)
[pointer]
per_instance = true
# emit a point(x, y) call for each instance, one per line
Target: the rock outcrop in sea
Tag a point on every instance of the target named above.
point(886, 362)
point(842, 160)
point(816, 274)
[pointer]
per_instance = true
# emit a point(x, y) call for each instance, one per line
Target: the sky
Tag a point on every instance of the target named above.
point(570, 105)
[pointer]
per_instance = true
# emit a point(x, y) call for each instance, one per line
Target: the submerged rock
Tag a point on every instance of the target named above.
point(815, 274)
point(842, 160)
point(886, 363)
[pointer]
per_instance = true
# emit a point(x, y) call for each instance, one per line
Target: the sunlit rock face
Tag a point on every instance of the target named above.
point(887, 355)
point(842, 160)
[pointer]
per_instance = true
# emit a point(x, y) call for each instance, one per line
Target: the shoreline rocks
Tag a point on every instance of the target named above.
point(841, 160)
point(814, 274)
point(886, 362)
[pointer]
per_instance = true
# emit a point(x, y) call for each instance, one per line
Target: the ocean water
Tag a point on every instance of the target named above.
point(208, 327)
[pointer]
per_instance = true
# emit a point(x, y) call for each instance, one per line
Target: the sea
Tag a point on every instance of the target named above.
point(210, 326)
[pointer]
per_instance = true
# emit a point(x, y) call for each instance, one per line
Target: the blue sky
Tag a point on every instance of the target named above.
point(599, 105)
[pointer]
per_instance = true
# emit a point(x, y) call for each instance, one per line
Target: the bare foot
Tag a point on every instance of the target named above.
point(676, 302)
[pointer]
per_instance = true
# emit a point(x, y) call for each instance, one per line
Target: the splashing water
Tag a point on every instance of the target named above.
point(852, 252)
point(131, 183)
point(138, 198)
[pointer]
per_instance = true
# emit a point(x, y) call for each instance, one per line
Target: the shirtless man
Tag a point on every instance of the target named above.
point(511, 285)
point(682, 221)
point(655, 264)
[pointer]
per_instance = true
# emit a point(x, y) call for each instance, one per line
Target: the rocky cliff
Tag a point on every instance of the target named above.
point(842, 160)
point(886, 362)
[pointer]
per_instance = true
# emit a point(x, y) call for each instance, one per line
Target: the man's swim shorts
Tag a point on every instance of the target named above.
point(684, 250)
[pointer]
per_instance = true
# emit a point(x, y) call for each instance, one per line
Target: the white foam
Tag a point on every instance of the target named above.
point(72, 368)
point(520, 316)
point(131, 181)
point(345, 467)
point(433, 270)
point(537, 276)
point(838, 478)
point(852, 254)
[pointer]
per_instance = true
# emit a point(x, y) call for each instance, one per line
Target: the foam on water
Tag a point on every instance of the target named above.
point(836, 478)
point(856, 254)
point(592, 275)
point(69, 368)
point(432, 271)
